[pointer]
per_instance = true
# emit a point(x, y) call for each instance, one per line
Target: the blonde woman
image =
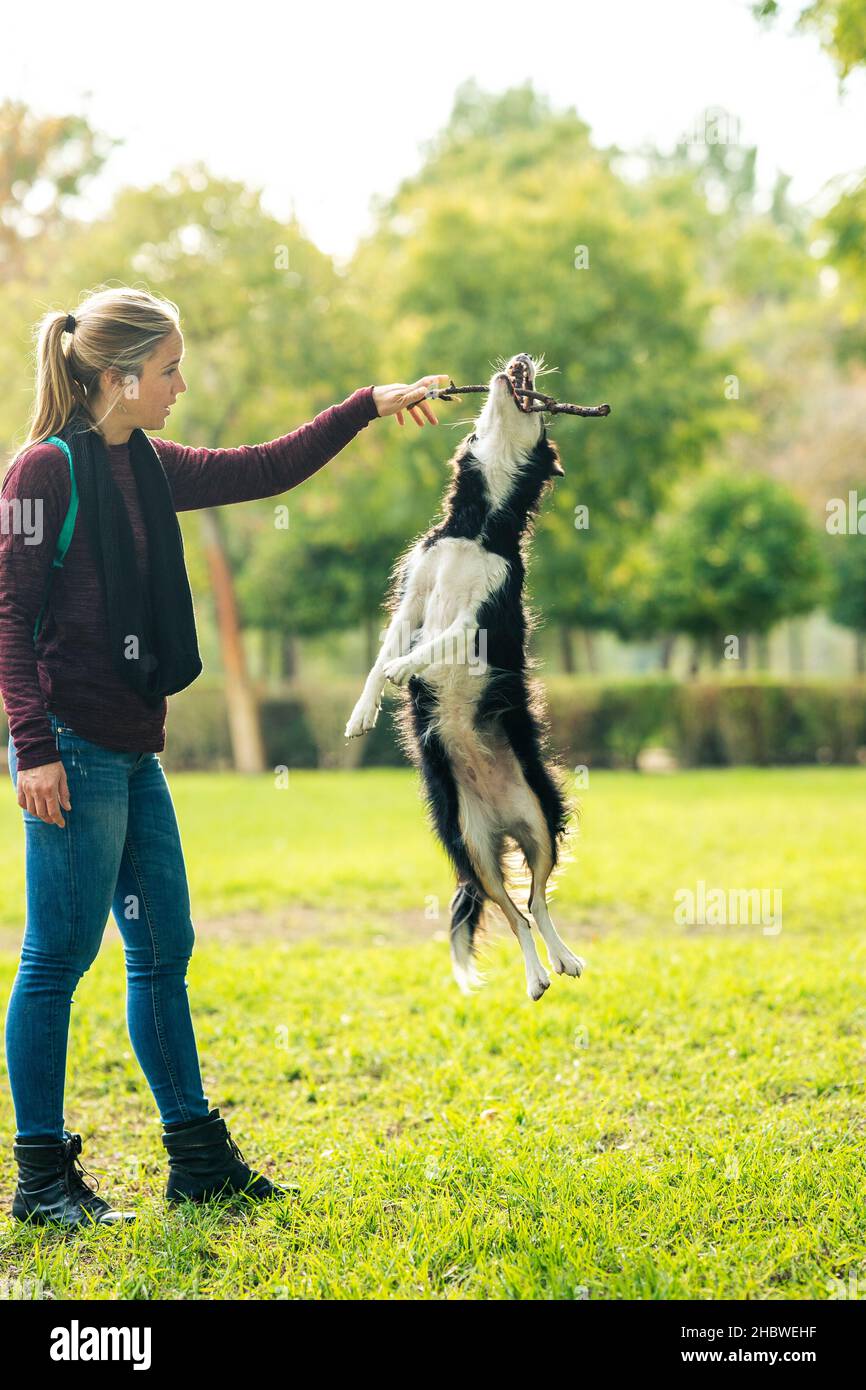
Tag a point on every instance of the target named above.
point(96, 629)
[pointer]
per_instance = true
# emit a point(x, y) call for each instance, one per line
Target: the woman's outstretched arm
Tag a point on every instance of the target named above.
point(201, 477)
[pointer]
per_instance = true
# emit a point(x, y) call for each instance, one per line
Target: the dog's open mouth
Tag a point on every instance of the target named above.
point(519, 374)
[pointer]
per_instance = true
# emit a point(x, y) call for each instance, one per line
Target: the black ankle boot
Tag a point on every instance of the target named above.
point(204, 1161)
point(50, 1187)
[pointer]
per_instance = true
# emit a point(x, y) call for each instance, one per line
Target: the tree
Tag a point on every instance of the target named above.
point(44, 162)
point(518, 234)
point(731, 556)
point(841, 29)
point(840, 25)
point(846, 555)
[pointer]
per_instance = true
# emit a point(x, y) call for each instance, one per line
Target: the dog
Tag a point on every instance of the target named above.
point(472, 720)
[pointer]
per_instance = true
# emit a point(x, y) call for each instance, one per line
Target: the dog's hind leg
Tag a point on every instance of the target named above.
point(484, 841)
point(537, 815)
point(534, 840)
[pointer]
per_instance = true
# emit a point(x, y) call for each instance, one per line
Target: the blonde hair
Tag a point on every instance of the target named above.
point(114, 328)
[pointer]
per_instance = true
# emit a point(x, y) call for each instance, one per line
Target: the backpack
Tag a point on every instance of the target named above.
point(65, 531)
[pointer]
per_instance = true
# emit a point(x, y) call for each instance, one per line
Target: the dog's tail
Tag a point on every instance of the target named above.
point(467, 907)
point(472, 913)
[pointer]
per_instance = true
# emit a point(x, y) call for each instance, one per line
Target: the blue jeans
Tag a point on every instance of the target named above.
point(119, 851)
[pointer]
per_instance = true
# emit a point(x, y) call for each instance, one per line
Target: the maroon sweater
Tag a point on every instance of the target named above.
point(70, 671)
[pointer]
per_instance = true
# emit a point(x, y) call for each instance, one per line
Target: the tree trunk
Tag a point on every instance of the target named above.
point(589, 648)
point(566, 648)
point(244, 724)
point(288, 655)
point(271, 655)
point(744, 652)
point(667, 651)
point(695, 661)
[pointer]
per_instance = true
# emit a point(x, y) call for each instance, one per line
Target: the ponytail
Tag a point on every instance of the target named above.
point(58, 391)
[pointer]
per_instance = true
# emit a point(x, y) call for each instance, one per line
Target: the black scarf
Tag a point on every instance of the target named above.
point(160, 614)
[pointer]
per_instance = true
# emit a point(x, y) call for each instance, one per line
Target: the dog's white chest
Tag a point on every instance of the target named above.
point(456, 576)
point(500, 469)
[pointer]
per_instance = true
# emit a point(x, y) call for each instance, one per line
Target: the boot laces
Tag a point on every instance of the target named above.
point(74, 1169)
point(235, 1150)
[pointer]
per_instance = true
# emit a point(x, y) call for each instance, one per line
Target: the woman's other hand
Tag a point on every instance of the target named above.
point(43, 790)
point(394, 399)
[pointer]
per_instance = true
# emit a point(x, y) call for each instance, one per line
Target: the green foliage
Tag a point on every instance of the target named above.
point(770, 722)
point(839, 24)
point(477, 257)
point(593, 722)
point(728, 722)
point(846, 554)
point(845, 227)
point(733, 554)
point(766, 263)
point(474, 257)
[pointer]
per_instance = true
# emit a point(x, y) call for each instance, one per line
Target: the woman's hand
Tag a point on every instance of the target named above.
point(394, 399)
point(42, 791)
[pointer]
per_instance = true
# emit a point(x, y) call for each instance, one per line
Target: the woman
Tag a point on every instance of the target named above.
point(84, 675)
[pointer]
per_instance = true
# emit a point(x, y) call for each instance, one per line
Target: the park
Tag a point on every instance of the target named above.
point(682, 1123)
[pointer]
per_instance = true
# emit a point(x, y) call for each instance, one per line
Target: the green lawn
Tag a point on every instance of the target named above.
point(686, 1120)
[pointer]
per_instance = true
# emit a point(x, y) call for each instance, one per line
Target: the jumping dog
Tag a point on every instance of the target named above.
point(472, 719)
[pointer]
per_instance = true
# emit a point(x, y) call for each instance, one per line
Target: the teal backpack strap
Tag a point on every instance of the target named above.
point(65, 531)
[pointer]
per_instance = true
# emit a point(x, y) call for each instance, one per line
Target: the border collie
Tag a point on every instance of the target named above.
point(472, 720)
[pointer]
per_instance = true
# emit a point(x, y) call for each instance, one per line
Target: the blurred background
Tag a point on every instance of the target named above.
point(669, 205)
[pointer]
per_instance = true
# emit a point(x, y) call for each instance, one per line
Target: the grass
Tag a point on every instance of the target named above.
point(685, 1121)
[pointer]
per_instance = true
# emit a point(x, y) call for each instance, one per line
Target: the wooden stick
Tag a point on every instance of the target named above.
point(550, 404)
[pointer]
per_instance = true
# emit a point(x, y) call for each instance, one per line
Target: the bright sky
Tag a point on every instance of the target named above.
point(327, 104)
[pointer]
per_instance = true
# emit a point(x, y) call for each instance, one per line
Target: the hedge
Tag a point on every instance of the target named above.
point(593, 722)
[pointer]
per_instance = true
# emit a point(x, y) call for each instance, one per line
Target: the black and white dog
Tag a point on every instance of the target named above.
point(473, 721)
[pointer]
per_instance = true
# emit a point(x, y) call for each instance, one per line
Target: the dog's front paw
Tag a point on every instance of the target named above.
point(400, 669)
point(362, 719)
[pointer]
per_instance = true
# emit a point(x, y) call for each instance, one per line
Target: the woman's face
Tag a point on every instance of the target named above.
point(147, 401)
point(161, 382)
